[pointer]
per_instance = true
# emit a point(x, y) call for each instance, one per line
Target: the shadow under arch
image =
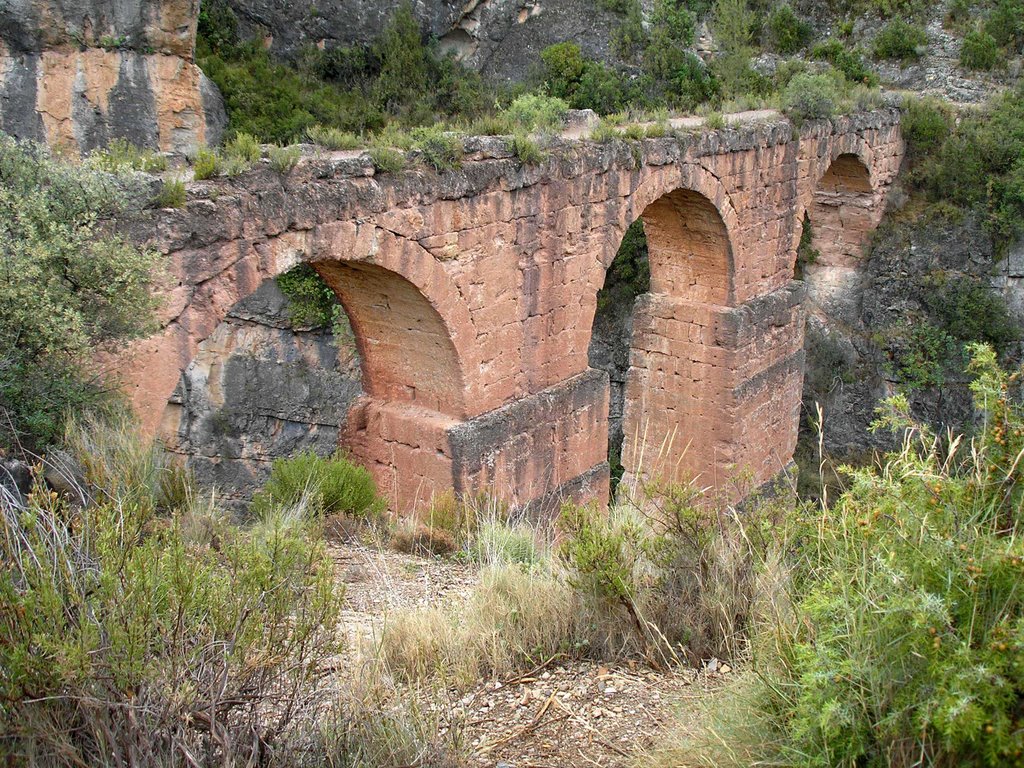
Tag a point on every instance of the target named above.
point(653, 332)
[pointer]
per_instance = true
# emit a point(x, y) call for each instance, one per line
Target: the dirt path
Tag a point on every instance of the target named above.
point(577, 713)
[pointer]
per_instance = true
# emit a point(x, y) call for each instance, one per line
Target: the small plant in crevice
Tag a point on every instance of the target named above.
point(284, 159)
point(172, 194)
point(311, 302)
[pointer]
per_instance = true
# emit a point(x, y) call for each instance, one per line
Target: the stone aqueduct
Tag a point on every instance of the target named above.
point(472, 295)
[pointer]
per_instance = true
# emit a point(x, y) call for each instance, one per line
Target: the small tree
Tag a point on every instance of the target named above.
point(71, 284)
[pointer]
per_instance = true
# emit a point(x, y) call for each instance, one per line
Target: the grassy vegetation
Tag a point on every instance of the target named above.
point(899, 641)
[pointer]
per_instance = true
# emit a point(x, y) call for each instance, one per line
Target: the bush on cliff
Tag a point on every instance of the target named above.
point(980, 164)
point(319, 486)
point(72, 285)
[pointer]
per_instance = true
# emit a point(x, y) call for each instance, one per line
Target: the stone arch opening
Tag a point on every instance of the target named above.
point(841, 216)
point(654, 333)
point(406, 351)
point(266, 385)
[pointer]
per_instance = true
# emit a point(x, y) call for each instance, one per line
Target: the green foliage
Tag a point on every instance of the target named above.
point(311, 303)
point(693, 83)
point(601, 555)
point(131, 616)
point(969, 311)
point(440, 149)
point(71, 286)
point(787, 32)
point(243, 147)
point(980, 51)
point(171, 195)
point(1006, 24)
point(283, 159)
point(496, 542)
point(900, 40)
point(810, 97)
point(849, 61)
point(672, 29)
point(534, 112)
point(206, 164)
point(333, 138)
point(981, 164)
point(926, 124)
point(733, 22)
point(905, 640)
point(387, 160)
point(920, 354)
point(527, 150)
point(319, 486)
point(121, 154)
point(352, 89)
point(583, 83)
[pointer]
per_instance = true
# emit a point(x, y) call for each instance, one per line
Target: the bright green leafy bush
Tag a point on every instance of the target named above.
point(71, 286)
point(849, 61)
point(926, 124)
point(311, 303)
point(320, 486)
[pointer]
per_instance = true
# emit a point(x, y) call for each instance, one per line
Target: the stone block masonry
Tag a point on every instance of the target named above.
point(472, 296)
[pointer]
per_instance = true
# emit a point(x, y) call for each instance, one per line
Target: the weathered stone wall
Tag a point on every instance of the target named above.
point(475, 290)
point(259, 389)
point(76, 75)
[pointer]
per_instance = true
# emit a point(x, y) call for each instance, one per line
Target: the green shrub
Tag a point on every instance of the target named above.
point(387, 160)
point(440, 149)
point(980, 51)
point(527, 150)
point(926, 124)
point(320, 486)
point(121, 154)
point(810, 97)
point(904, 644)
point(787, 32)
point(970, 311)
point(333, 138)
point(128, 624)
point(581, 82)
point(920, 354)
point(72, 286)
point(497, 542)
point(283, 159)
point(671, 33)
point(849, 61)
point(1006, 24)
point(311, 303)
point(533, 112)
point(693, 83)
point(243, 147)
point(958, 14)
point(900, 40)
point(205, 165)
point(172, 194)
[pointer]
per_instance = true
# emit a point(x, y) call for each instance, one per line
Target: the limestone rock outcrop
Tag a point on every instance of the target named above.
point(78, 74)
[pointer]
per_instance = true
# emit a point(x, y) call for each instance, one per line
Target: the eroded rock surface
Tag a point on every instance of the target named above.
point(76, 75)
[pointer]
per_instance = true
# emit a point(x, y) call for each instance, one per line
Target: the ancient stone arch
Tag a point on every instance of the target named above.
point(474, 292)
point(843, 212)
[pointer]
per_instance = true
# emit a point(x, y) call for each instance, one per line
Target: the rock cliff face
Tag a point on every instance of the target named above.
point(501, 38)
point(79, 74)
